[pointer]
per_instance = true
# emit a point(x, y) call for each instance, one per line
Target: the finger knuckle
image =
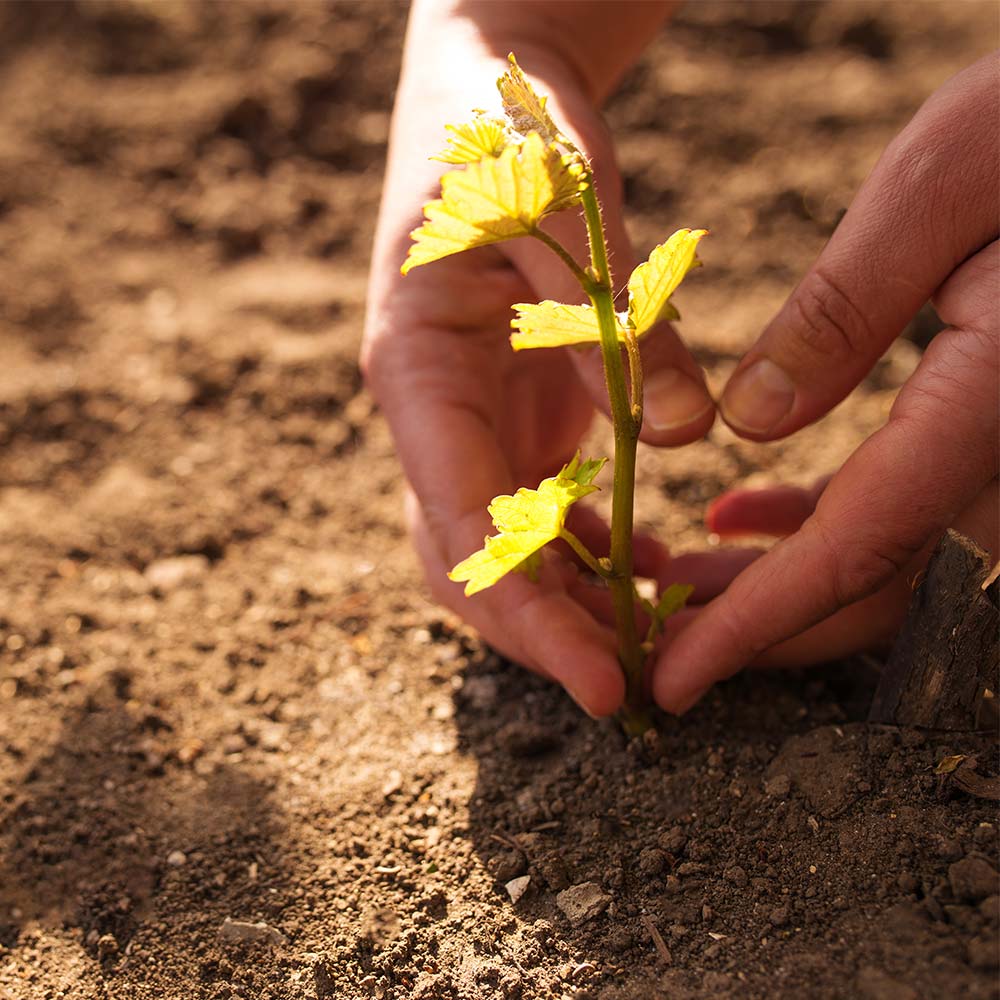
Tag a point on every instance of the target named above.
point(959, 370)
point(860, 566)
point(830, 327)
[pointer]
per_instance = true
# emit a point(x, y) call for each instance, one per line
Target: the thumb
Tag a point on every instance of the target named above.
point(928, 205)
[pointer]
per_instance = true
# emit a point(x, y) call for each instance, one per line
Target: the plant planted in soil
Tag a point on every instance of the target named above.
point(511, 173)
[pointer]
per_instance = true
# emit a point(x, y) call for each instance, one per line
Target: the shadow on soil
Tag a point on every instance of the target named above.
point(111, 825)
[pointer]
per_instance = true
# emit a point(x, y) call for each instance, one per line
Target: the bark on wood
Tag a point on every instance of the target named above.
point(946, 654)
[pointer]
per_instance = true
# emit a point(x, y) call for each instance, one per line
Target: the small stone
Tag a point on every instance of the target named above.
point(972, 879)
point(779, 786)
point(652, 861)
point(176, 859)
point(582, 902)
point(392, 784)
point(169, 574)
point(244, 932)
point(735, 875)
point(779, 916)
point(517, 887)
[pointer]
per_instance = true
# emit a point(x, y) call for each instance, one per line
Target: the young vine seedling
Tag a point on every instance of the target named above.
point(512, 173)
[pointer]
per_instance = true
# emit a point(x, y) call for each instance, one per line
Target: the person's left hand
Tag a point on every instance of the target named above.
point(924, 225)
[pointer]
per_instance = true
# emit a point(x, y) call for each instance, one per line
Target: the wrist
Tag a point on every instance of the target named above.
point(592, 44)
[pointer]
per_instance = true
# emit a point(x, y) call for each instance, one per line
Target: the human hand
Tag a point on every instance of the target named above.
point(924, 225)
point(471, 419)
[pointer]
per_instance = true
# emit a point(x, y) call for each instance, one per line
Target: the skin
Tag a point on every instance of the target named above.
point(472, 420)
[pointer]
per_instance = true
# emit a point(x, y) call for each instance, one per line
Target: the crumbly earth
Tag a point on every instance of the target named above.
point(223, 693)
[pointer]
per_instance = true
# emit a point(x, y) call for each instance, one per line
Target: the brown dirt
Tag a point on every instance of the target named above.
point(222, 690)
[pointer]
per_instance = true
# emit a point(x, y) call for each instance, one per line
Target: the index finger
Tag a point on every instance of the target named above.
point(902, 487)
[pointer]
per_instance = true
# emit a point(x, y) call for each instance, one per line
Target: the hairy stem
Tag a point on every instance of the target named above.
point(626, 431)
point(564, 255)
point(588, 557)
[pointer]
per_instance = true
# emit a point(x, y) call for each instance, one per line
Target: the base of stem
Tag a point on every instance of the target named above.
point(634, 720)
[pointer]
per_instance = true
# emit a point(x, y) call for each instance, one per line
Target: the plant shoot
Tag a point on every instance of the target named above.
point(511, 173)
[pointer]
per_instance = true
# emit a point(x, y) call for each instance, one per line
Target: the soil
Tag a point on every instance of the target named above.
point(223, 693)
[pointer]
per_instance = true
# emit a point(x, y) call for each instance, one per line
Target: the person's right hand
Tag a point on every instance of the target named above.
point(471, 419)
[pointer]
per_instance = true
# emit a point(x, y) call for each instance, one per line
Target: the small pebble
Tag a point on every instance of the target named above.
point(242, 931)
point(517, 887)
point(583, 902)
point(176, 859)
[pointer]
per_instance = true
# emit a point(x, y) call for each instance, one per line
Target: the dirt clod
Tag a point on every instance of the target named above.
point(583, 902)
point(973, 879)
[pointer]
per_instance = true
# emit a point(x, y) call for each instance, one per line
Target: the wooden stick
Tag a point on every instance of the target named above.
point(946, 655)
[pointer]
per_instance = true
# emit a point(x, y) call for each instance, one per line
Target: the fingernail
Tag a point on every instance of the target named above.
point(672, 399)
point(757, 398)
point(678, 703)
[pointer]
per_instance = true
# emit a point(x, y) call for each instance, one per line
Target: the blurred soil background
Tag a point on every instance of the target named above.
point(223, 693)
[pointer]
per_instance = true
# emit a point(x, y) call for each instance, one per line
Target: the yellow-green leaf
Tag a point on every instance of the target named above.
point(554, 324)
point(525, 109)
point(469, 143)
point(948, 764)
point(496, 199)
point(654, 281)
point(672, 600)
point(526, 522)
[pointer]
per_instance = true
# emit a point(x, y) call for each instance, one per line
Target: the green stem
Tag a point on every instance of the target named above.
point(635, 373)
point(588, 557)
point(626, 432)
point(564, 255)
